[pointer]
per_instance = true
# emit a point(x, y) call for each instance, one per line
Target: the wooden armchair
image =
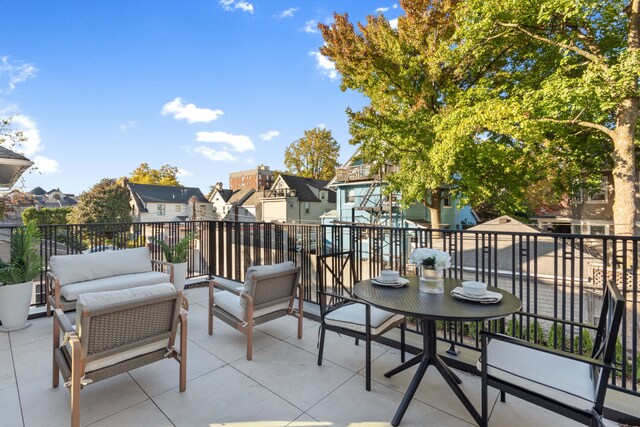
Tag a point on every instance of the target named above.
point(268, 292)
point(115, 332)
point(566, 383)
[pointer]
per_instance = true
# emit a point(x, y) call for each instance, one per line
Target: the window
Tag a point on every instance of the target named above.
point(178, 207)
point(306, 208)
point(203, 209)
point(598, 229)
point(350, 197)
point(446, 199)
point(601, 194)
point(161, 210)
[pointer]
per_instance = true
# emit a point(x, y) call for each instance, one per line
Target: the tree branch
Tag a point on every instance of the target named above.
point(589, 125)
point(590, 56)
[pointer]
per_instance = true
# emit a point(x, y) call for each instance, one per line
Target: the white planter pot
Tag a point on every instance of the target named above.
point(15, 301)
point(179, 275)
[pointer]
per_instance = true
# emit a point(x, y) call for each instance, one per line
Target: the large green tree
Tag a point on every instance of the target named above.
point(563, 73)
point(105, 202)
point(411, 91)
point(166, 175)
point(315, 155)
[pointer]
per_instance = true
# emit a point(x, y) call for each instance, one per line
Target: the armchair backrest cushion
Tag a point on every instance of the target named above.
point(98, 265)
point(254, 274)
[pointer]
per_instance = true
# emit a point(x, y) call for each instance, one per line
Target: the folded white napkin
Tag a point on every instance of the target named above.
point(487, 298)
point(400, 283)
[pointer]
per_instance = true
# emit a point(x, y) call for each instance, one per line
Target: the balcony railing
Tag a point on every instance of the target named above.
point(558, 277)
point(362, 172)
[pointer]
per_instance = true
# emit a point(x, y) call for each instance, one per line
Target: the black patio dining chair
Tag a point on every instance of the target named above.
point(566, 383)
point(343, 313)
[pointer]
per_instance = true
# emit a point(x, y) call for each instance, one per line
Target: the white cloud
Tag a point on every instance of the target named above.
point(288, 13)
point(239, 143)
point(382, 9)
point(183, 172)
point(29, 129)
point(321, 126)
point(231, 5)
point(15, 72)
point(394, 23)
point(190, 112)
point(311, 27)
point(327, 67)
point(216, 156)
point(124, 128)
point(268, 136)
point(46, 165)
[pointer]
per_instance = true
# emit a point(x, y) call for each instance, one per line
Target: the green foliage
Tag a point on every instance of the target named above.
point(315, 155)
point(583, 343)
point(46, 215)
point(556, 331)
point(166, 175)
point(105, 202)
point(25, 262)
point(178, 252)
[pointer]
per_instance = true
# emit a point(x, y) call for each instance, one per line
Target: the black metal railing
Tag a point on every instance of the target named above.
point(559, 277)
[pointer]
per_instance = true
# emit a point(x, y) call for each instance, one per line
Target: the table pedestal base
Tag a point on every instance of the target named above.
point(428, 357)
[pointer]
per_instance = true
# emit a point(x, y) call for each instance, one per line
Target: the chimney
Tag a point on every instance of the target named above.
point(218, 186)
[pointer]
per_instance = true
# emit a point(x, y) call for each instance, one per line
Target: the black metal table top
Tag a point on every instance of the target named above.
point(409, 301)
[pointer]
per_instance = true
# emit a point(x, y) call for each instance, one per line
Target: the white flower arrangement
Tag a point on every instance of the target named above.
point(434, 258)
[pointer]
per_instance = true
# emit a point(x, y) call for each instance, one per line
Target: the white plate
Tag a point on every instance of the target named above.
point(398, 284)
point(486, 298)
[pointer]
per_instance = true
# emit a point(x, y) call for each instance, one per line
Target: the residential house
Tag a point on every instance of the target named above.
point(218, 198)
point(17, 201)
point(260, 178)
point(234, 210)
point(157, 203)
point(361, 200)
point(294, 199)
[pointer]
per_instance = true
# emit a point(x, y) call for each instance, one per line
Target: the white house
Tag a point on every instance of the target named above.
point(157, 203)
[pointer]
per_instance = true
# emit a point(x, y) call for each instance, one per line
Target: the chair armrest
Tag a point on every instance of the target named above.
point(347, 298)
point(226, 284)
point(164, 265)
point(516, 341)
point(62, 321)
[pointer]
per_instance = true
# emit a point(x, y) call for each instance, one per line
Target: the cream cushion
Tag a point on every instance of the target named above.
point(553, 376)
point(228, 302)
point(104, 300)
point(71, 291)
point(353, 316)
point(254, 273)
point(85, 267)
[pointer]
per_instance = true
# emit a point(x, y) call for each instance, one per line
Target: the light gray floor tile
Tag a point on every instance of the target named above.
point(140, 415)
point(10, 413)
point(515, 412)
point(228, 343)
point(294, 374)
point(159, 377)
point(350, 405)
point(226, 397)
point(44, 405)
point(33, 360)
point(4, 341)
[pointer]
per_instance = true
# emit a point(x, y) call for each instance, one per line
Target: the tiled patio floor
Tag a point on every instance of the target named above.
point(281, 386)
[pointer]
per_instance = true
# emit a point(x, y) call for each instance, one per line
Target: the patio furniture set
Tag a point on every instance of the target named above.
point(117, 330)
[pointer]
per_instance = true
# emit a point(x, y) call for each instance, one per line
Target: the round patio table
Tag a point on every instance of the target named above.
point(409, 301)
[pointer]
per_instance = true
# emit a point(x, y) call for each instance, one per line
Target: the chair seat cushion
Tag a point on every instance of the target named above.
point(228, 302)
point(550, 375)
point(353, 316)
point(71, 291)
point(104, 362)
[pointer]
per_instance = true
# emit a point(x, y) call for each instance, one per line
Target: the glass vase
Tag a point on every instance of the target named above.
point(430, 280)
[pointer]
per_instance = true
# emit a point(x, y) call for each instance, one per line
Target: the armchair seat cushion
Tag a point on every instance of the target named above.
point(550, 375)
point(353, 316)
point(71, 291)
point(228, 302)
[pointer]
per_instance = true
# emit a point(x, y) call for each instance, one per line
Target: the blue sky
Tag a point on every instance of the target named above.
point(209, 86)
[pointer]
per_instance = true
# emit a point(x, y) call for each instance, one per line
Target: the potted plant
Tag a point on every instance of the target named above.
point(176, 255)
point(430, 264)
point(16, 277)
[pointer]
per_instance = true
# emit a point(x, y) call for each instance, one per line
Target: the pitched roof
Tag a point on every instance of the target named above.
point(147, 193)
point(253, 199)
point(224, 193)
point(303, 192)
point(38, 191)
point(12, 165)
point(238, 197)
point(505, 223)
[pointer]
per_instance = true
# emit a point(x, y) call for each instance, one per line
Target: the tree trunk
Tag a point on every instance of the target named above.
point(624, 170)
point(434, 208)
